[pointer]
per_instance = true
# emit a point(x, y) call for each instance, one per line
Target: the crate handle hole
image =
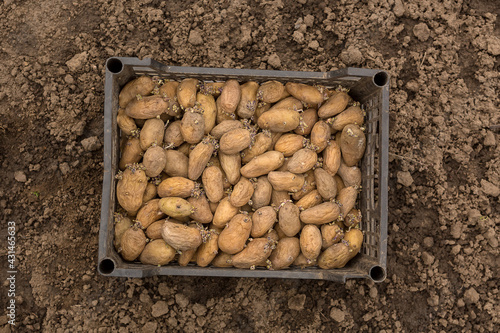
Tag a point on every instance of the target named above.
point(106, 266)
point(377, 274)
point(114, 65)
point(380, 79)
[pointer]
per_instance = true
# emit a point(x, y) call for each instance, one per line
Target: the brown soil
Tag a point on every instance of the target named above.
point(443, 255)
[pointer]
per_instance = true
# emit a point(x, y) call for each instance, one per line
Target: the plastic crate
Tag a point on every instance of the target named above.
point(368, 86)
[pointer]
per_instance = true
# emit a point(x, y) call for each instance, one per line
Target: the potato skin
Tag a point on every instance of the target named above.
point(154, 161)
point(351, 176)
point(213, 183)
point(354, 239)
point(173, 136)
point(180, 236)
point(347, 199)
point(262, 194)
point(126, 124)
point(131, 153)
point(230, 96)
point(279, 120)
point(154, 229)
point(130, 189)
point(208, 250)
point(320, 135)
point(309, 200)
point(242, 192)
point(256, 252)
point(262, 221)
point(169, 92)
point(352, 144)
point(285, 253)
point(142, 86)
point(302, 161)
point(325, 184)
point(262, 164)
point(305, 93)
point(152, 132)
point(176, 187)
point(132, 243)
point(331, 233)
point(270, 91)
point(353, 218)
point(334, 105)
point(289, 220)
point(309, 185)
point(122, 224)
point(176, 164)
point(146, 107)
point(226, 126)
point(202, 212)
point(232, 239)
point(149, 213)
point(336, 256)
point(352, 115)
point(222, 260)
point(224, 213)
point(192, 126)
point(323, 213)
point(331, 157)
point(231, 165)
point(199, 157)
point(248, 102)
point(207, 104)
point(310, 241)
point(289, 143)
point(285, 181)
point(175, 207)
point(186, 93)
point(158, 253)
point(262, 143)
point(309, 118)
point(235, 141)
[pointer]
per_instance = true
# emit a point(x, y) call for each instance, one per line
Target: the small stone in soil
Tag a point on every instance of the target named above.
point(20, 176)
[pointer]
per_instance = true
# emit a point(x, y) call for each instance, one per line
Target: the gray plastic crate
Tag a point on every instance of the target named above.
point(368, 86)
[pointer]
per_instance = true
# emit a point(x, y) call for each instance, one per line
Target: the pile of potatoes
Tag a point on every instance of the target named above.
point(238, 175)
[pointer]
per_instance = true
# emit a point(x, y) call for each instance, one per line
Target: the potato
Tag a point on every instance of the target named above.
point(154, 161)
point(235, 141)
point(353, 218)
point(230, 96)
point(199, 157)
point(192, 126)
point(336, 256)
point(302, 161)
point(186, 257)
point(310, 241)
point(309, 200)
point(289, 220)
point(202, 212)
point(289, 144)
point(209, 111)
point(262, 143)
point(180, 236)
point(224, 213)
point(140, 122)
point(262, 164)
point(279, 120)
point(262, 194)
point(248, 102)
point(305, 93)
point(270, 91)
point(185, 148)
point(242, 192)
point(176, 187)
point(347, 199)
point(323, 213)
point(285, 181)
point(209, 249)
point(130, 188)
point(231, 165)
point(278, 197)
point(352, 144)
point(320, 135)
point(149, 213)
point(224, 127)
point(352, 115)
point(331, 157)
point(303, 262)
point(262, 221)
point(212, 88)
point(309, 185)
point(169, 92)
point(122, 223)
point(325, 184)
point(150, 192)
point(141, 86)
point(354, 239)
point(154, 229)
point(152, 133)
point(275, 137)
point(256, 252)
point(334, 105)
point(146, 107)
point(173, 136)
point(133, 242)
point(213, 183)
point(289, 103)
point(176, 207)
point(260, 109)
point(222, 260)
point(158, 253)
point(234, 236)
point(126, 124)
point(131, 153)
point(176, 164)
point(186, 93)
point(339, 182)
point(285, 253)
point(331, 233)
point(309, 118)
point(350, 176)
